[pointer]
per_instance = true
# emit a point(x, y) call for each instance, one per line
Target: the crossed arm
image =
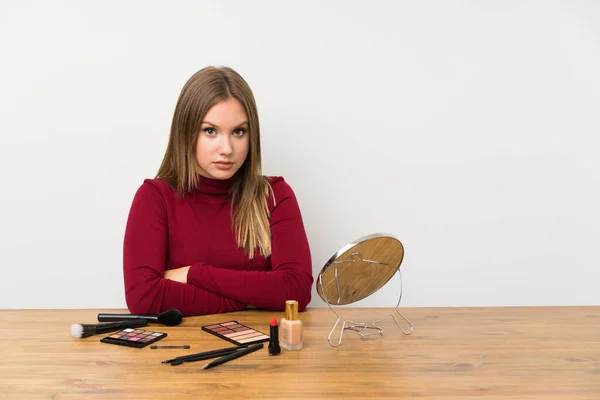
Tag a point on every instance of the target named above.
point(201, 288)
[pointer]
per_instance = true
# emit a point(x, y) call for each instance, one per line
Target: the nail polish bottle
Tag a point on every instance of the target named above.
point(290, 327)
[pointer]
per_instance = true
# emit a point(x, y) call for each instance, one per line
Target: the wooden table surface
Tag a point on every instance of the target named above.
point(453, 353)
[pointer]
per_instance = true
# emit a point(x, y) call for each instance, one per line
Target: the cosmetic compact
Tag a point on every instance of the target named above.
point(236, 333)
point(134, 337)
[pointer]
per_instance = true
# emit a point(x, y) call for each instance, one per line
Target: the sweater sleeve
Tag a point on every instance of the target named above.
point(290, 277)
point(144, 259)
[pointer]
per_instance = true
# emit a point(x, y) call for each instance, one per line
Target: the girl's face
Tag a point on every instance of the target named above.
point(224, 139)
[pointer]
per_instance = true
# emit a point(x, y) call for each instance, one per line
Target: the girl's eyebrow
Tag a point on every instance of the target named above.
point(217, 126)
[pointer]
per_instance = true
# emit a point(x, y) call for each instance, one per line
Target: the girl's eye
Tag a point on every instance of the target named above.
point(210, 131)
point(239, 132)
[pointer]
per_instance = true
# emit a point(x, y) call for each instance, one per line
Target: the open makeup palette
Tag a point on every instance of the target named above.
point(134, 337)
point(237, 333)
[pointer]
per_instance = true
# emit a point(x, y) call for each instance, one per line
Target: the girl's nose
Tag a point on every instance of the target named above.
point(225, 145)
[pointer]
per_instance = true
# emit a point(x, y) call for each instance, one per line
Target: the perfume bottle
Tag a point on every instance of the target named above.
point(290, 327)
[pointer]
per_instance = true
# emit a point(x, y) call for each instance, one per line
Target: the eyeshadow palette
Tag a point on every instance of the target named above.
point(237, 333)
point(133, 337)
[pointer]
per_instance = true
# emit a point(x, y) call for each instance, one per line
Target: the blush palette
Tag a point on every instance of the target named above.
point(133, 337)
point(237, 333)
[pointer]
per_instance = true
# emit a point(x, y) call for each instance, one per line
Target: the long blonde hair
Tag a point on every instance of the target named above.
point(250, 189)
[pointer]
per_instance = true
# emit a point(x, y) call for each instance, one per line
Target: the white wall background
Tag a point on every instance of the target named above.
point(467, 129)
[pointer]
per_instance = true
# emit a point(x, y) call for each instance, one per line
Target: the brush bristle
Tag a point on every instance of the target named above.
point(170, 318)
point(76, 330)
point(80, 331)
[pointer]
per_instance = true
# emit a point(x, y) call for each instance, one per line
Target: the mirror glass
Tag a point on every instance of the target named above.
point(359, 269)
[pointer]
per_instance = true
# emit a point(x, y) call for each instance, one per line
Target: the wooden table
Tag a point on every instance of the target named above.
point(453, 353)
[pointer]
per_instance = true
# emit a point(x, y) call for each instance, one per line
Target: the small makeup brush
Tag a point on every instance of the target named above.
point(170, 318)
point(84, 330)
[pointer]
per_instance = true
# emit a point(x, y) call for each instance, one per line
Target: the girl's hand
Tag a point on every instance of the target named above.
point(177, 274)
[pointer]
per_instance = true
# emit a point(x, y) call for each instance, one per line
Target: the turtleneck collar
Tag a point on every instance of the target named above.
point(214, 186)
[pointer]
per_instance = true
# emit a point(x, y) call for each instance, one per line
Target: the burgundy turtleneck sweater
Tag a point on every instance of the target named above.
point(165, 231)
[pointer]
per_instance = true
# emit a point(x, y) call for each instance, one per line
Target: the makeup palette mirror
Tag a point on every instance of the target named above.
point(357, 271)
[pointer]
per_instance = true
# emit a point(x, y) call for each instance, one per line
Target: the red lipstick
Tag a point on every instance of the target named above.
point(274, 349)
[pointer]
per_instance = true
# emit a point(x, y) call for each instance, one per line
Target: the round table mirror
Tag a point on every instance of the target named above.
point(355, 272)
point(360, 269)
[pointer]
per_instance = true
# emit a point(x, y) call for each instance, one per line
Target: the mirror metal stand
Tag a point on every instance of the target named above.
point(363, 328)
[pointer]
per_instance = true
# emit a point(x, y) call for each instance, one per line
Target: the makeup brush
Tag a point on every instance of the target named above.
point(84, 330)
point(170, 318)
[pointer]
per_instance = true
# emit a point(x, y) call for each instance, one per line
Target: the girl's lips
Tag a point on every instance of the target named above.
point(223, 164)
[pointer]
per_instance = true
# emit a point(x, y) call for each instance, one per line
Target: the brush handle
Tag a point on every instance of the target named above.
point(85, 330)
point(103, 317)
point(115, 326)
point(233, 356)
point(206, 354)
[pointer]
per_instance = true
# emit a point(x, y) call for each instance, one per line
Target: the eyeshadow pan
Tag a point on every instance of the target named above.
point(253, 334)
point(265, 337)
point(240, 333)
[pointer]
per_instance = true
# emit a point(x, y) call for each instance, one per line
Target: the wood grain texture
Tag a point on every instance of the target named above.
point(454, 353)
